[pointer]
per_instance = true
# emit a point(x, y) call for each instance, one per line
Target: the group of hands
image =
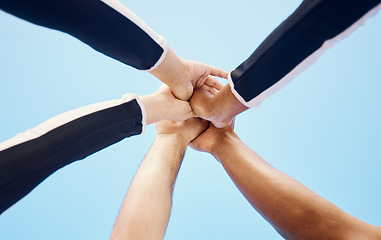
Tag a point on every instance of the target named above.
point(185, 114)
point(187, 104)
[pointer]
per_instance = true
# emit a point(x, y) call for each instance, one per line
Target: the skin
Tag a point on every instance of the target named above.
point(220, 108)
point(292, 209)
point(147, 206)
point(182, 76)
point(163, 105)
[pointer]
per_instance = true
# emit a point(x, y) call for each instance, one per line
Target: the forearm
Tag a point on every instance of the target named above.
point(105, 25)
point(146, 209)
point(295, 45)
point(295, 211)
point(170, 70)
point(30, 157)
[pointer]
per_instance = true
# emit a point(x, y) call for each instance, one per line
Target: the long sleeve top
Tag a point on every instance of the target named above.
point(30, 157)
point(105, 25)
point(295, 44)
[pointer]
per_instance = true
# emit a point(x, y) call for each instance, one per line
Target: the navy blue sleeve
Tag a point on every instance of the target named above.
point(295, 44)
point(30, 157)
point(107, 26)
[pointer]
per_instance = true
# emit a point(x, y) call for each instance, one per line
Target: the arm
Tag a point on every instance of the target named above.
point(112, 29)
point(146, 208)
point(30, 157)
point(297, 43)
point(292, 47)
point(292, 209)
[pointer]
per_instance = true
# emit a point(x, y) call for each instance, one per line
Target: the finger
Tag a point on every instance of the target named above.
point(212, 82)
point(218, 72)
point(194, 126)
point(189, 114)
point(192, 114)
point(204, 125)
point(188, 111)
point(202, 95)
point(211, 90)
point(220, 124)
point(202, 80)
point(233, 123)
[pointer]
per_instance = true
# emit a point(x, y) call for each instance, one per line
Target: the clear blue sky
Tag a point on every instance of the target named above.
point(323, 128)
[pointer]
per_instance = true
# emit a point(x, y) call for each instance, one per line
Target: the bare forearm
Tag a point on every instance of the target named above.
point(295, 211)
point(170, 69)
point(146, 209)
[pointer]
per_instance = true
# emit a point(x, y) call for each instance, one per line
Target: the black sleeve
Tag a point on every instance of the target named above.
point(30, 157)
point(107, 26)
point(294, 44)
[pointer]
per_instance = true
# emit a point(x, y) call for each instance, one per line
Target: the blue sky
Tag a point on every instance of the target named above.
point(323, 128)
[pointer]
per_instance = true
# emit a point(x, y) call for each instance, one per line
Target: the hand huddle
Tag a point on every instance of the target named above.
point(192, 108)
point(196, 83)
point(292, 209)
point(194, 116)
point(147, 206)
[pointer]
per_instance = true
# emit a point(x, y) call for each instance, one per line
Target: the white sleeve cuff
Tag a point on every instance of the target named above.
point(163, 43)
point(144, 113)
point(251, 104)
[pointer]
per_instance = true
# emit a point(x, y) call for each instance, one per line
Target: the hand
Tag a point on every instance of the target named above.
point(162, 105)
point(197, 75)
point(187, 130)
point(173, 108)
point(210, 139)
point(182, 76)
point(218, 107)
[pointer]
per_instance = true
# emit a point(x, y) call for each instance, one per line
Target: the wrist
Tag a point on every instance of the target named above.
point(152, 108)
point(223, 143)
point(174, 138)
point(171, 70)
point(225, 107)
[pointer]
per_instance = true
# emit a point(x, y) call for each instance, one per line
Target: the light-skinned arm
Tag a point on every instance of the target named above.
point(146, 208)
point(112, 29)
point(292, 209)
point(30, 157)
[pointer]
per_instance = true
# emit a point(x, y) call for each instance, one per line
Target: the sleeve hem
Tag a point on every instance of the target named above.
point(237, 95)
point(144, 114)
point(163, 43)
